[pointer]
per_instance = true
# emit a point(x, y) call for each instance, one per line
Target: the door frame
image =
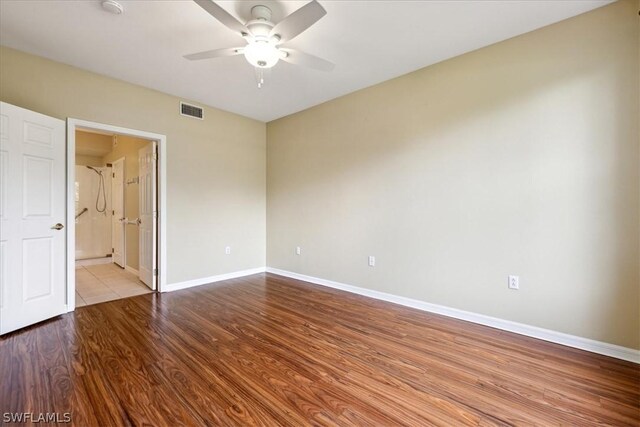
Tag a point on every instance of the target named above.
point(124, 210)
point(77, 124)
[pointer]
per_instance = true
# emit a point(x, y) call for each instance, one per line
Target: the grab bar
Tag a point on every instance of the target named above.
point(81, 212)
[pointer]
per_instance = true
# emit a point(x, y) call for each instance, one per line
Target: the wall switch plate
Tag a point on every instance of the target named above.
point(297, 250)
point(514, 282)
point(227, 250)
point(372, 261)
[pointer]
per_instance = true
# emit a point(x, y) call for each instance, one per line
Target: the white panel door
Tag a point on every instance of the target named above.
point(148, 214)
point(118, 219)
point(32, 213)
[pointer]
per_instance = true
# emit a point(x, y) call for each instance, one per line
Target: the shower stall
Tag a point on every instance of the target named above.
point(93, 212)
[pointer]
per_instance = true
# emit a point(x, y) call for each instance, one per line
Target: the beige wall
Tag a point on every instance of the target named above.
point(88, 160)
point(92, 144)
point(215, 167)
point(90, 147)
point(519, 158)
point(127, 147)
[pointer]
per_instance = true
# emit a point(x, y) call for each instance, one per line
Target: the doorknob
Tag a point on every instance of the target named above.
point(58, 226)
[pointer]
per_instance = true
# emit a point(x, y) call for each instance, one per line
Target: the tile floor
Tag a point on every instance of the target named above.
point(105, 282)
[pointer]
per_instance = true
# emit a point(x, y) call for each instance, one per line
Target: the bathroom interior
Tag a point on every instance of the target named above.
point(107, 217)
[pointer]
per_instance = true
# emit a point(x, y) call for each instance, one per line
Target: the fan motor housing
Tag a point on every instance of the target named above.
point(261, 24)
point(261, 12)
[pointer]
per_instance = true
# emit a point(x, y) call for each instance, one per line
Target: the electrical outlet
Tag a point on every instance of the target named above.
point(372, 261)
point(514, 282)
point(298, 250)
point(227, 250)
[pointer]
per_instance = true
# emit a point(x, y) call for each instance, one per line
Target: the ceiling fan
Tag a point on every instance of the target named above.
point(264, 38)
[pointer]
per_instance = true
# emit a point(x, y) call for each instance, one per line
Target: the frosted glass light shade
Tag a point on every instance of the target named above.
point(261, 54)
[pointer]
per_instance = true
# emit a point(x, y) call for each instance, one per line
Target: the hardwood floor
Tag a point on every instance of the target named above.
point(267, 350)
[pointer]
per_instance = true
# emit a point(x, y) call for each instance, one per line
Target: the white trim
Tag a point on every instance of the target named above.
point(124, 206)
point(206, 280)
point(93, 261)
point(599, 347)
point(132, 270)
point(72, 125)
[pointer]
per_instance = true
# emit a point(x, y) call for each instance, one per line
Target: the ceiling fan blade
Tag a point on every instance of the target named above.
point(216, 53)
point(223, 16)
point(301, 58)
point(298, 21)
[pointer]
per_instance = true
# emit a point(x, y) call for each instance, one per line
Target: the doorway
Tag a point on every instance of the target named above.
point(111, 199)
point(116, 190)
point(38, 212)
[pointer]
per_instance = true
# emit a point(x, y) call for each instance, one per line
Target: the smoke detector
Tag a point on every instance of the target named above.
point(112, 6)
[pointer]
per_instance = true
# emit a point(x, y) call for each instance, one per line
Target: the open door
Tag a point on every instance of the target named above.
point(32, 214)
point(147, 158)
point(118, 220)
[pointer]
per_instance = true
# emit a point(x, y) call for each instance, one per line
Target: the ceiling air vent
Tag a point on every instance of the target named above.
point(191, 111)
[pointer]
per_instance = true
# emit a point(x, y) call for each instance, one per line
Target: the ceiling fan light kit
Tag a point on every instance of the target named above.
point(262, 54)
point(264, 38)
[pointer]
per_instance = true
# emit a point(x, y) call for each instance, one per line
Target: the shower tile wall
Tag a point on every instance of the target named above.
point(93, 228)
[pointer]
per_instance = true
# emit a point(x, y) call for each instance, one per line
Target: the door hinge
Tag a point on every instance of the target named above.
point(113, 213)
point(155, 156)
point(155, 214)
point(155, 271)
point(113, 175)
point(113, 251)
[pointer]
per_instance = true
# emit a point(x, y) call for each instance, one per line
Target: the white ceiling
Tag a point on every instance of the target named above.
point(369, 41)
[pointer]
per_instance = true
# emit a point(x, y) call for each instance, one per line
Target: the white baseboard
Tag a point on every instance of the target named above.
point(593, 346)
point(132, 270)
point(205, 280)
point(93, 261)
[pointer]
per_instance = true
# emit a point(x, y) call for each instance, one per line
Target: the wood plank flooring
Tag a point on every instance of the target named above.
point(267, 350)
